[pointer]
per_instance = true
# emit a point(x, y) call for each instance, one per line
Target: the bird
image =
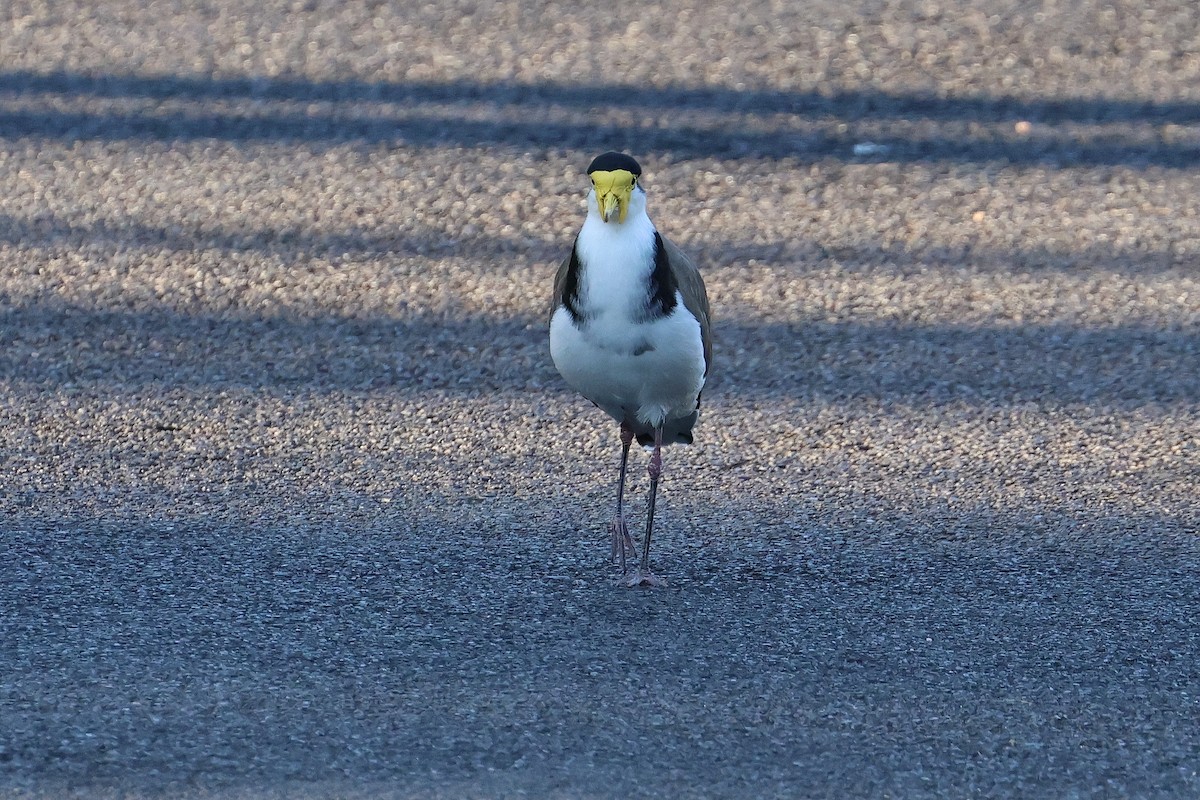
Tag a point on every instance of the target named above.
point(630, 331)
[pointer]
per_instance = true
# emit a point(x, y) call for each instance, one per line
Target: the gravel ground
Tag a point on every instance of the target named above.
point(295, 505)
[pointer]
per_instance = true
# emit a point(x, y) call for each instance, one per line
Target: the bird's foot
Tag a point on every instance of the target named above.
point(622, 543)
point(644, 577)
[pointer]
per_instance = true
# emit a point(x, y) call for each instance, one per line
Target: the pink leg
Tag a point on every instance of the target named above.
point(643, 576)
point(622, 542)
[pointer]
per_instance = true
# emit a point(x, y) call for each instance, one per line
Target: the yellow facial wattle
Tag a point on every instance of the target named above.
point(613, 190)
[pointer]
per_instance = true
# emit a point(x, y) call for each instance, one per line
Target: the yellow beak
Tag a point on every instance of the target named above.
point(613, 190)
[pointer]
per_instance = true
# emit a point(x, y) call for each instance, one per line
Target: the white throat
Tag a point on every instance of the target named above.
point(617, 258)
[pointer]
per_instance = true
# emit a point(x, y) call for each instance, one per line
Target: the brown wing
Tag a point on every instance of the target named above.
point(695, 297)
point(560, 281)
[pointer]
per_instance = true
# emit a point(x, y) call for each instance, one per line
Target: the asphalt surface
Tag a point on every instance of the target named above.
point(293, 503)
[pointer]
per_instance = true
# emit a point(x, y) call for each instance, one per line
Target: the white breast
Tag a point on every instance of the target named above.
point(649, 371)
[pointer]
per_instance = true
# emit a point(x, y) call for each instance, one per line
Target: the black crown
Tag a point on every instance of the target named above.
point(607, 162)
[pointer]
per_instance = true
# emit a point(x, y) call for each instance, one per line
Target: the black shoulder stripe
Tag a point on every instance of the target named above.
point(662, 283)
point(570, 295)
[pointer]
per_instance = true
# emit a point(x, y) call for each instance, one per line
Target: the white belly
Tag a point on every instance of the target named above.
point(651, 372)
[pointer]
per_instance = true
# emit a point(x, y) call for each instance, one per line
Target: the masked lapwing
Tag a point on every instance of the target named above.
point(629, 330)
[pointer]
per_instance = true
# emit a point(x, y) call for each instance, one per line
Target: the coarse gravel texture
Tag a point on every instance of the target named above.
point(294, 504)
